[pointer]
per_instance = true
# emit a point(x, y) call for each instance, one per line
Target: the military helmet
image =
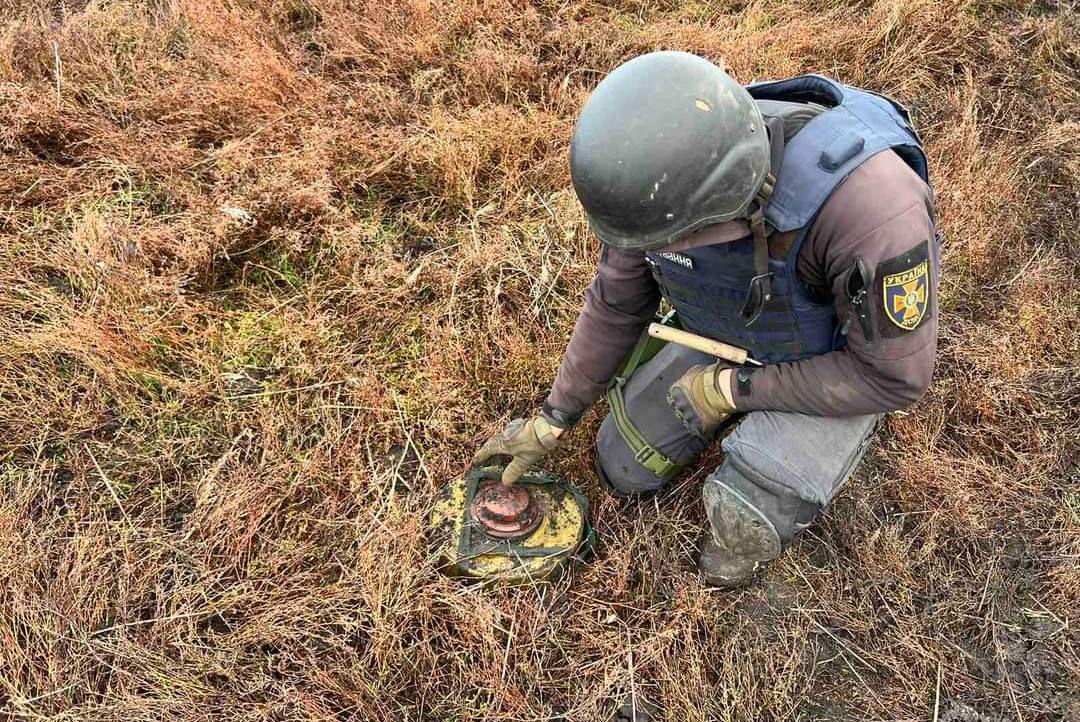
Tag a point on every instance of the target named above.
point(667, 143)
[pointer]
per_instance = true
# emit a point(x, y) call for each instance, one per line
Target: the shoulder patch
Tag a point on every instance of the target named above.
point(905, 291)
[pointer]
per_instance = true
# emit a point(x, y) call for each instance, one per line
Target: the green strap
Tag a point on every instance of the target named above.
point(633, 360)
point(644, 453)
point(645, 348)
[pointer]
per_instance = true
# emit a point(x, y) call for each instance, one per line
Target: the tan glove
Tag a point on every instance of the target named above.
point(526, 441)
point(701, 397)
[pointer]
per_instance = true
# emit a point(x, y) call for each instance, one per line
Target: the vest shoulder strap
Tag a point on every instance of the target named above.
point(792, 114)
point(820, 157)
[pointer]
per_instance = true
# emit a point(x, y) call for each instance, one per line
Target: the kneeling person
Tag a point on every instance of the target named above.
point(790, 218)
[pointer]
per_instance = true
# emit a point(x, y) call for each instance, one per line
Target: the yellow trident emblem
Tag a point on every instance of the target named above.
point(905, 296)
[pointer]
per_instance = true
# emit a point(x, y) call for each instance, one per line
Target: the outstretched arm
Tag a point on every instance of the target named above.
point(619, 304)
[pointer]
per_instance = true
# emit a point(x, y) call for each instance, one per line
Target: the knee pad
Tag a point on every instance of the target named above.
point(641, 444)
point(605, 483)
point(617, 470)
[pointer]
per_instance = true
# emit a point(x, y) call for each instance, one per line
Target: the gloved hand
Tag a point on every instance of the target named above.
point(526, 441)
point(701, 397)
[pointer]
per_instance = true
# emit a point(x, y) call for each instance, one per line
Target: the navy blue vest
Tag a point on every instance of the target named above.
point(708, 285)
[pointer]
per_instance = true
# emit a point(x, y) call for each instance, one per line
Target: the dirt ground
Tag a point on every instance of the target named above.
point(270, 271)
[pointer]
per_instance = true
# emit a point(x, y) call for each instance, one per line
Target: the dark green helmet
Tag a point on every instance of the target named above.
point(666, 144)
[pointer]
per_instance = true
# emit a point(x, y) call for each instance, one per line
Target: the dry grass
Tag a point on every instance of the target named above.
point(222, 429)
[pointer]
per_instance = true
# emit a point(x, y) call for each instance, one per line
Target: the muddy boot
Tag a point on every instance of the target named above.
point(739, 540)
point(720, 568)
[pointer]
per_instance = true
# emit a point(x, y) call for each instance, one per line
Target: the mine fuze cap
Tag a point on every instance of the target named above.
point(666, 144)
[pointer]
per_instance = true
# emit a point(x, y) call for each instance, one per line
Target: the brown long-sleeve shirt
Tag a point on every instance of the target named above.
point(883, 214)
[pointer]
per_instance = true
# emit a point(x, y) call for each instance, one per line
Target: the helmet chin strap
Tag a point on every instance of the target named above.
point(760, 290)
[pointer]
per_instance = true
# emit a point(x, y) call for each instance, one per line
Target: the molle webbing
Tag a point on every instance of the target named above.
point(838, 130)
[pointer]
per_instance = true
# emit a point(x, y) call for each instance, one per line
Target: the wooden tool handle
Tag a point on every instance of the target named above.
point(699, 343)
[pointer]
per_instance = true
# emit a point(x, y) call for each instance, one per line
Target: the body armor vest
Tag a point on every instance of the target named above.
point(709, 285)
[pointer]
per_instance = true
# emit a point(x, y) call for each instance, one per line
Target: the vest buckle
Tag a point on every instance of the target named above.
point(756, 298)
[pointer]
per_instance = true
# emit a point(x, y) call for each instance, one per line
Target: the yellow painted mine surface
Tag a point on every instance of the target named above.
point(561, 531)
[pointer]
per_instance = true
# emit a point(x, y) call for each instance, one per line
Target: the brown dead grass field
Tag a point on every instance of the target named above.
point(270, 271)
